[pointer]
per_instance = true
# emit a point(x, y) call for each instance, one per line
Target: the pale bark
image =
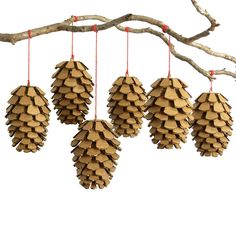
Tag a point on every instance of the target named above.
point(108, 23)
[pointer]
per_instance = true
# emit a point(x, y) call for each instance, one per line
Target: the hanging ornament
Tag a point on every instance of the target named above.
point(95, 147)
point(126, 102)
point(72, 88)
point(28, 115)
point(169, 110)
point(212, 124)
point(95, 153)
point(126, 106)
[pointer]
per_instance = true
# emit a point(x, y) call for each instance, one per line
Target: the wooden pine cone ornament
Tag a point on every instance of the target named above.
point(95, 153)
point(28, 117)
point(169, 111)
point(212, 124)
point(126, 105)
point(72, 89)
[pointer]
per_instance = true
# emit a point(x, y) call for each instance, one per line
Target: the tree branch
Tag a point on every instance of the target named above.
point(108, 23)
point(209, 17)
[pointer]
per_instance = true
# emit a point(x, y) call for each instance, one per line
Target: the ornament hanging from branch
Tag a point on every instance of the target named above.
point(95, 153)
point(169, 109)
point(28, 115)
point(95, 145)
point(126, 102)
point(72, 88)
point(212, 124)
point(72, 91)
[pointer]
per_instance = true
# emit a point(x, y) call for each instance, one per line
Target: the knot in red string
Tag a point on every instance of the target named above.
point(94, 28)
point(30, 33)
point(75, 18)
point(165, 28)
point(127, 29)
point(212, 72)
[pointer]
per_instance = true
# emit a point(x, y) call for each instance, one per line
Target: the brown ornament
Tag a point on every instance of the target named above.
point(212, 124)
point(126, 105)
point(169, 111)
point(95, 147)
point(28, 117)
point(72, 89)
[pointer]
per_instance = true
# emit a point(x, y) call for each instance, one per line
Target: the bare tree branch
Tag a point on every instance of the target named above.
point(108, 23)
point(209, 17)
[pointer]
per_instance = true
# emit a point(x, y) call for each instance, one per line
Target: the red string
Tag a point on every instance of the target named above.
point(164, 29)
point(127, 52)
point(29, 37)
point(94, 28)
point(169, 44)
point(75, 19)
point(212, 72)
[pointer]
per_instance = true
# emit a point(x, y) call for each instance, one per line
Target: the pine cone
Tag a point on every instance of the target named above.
point(212, 124)
point(28, 116)
point(126, 106)
point(95, 147)
point(169, 112)
point(72, 88)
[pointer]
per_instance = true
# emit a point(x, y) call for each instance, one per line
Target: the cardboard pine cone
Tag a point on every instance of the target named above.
point(126, 105)
point(95, 153)
point(169, 111)
point(72, 89)
point(28, 117)
point(212, 124)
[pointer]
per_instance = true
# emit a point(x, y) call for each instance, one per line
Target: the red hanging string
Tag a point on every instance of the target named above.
point(164, 29)
point(29, 37)
point(212, 72)
point(75, 18)
point(127, 52)
point(94, 28)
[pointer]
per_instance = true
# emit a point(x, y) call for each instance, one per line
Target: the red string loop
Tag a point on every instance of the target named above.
point(75, 18)
point(127, 52)
point(165, 28)
point(29, 33)
point(96, 70)
point(212, 72)
point(29, 37)
point(94, 28)
point(72, 41)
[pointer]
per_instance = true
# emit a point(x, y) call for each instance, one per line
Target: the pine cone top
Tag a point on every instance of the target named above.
point(126, 105)
point(212, 124)
point(169, 112)
point(95, 147)
point(72, 90)
point(28, 116)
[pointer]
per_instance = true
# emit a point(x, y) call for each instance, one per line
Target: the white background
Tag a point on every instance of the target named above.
point(153, 192)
